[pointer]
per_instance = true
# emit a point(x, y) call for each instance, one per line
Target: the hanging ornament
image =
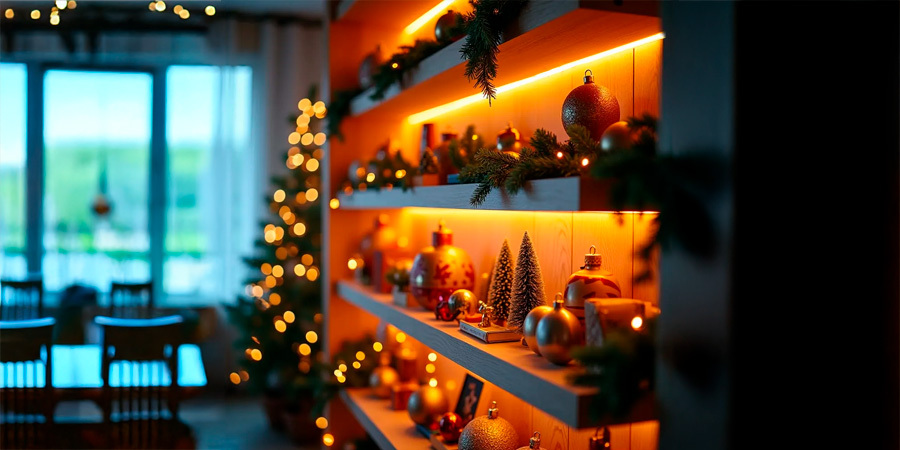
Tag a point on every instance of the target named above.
point(529, 328)
point(450, 426)
point(382, 380)
point(101, 206)
point(490, 432)
point(618, 136)
point(447, 28)
point(591, 106)
point(534, 443)
point(600, 440)
point(427, 405)
point(369, 66)
point(557, 333)
point(590, 282)
point(508, 141)
point(440, 269)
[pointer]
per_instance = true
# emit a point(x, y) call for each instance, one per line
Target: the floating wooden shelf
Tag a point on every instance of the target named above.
point(507, 365)
point(387, 14)
point(547, 34)
point(391, 430)
point(552, 194)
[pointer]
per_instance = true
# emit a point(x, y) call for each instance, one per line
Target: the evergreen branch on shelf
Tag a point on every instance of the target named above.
point(401, 63)
point(484, 34)
point(490, 170)
point(622, 369)
point(339, 109)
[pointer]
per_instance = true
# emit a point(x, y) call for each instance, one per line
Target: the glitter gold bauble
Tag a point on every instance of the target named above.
point(590, 282)
point(382, 380)
point(490, 432)
point(427, 405)
point(439, 270)
point(529, 327)
point(591, 106)
point(557, 333)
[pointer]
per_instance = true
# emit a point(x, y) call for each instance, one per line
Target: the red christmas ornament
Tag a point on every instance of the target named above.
point(591, 106)
point(443, 311)
point(450, 426)
point(444, 27)
point(439, 270)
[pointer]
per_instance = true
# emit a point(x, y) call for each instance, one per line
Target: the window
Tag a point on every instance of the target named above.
point(99, 141)
point(96, 144)
point(208, 137)
point(12, 170)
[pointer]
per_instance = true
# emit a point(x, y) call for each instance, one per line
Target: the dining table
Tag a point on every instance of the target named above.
point(76, 372)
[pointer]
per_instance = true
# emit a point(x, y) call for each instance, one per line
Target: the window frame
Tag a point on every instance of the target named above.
point(36, 72)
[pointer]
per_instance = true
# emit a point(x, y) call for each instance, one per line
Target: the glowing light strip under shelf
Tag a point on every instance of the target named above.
point(447, 107)
point(424, 18)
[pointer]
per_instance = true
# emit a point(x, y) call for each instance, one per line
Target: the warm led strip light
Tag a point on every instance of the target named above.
point(424, 18)
point(438, 110)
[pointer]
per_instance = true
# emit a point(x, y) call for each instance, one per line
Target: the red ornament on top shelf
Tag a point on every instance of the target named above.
point(508, 141)
point(446, 25)
point(590, 282)
point(591, 106)
point(440, 269)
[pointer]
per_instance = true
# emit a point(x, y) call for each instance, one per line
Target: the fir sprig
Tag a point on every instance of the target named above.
point(400, 64)
point(490, 170)
point(484, 34)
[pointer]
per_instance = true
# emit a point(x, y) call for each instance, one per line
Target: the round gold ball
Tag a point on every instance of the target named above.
point(427, 405)
point(484, 433)
point(557, 333)
point(462, 300)
point(618, 136)
point(529, 327)
point(382, 379)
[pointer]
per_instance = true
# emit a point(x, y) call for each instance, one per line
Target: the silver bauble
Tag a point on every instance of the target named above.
point(557, 333)
point(529, 327)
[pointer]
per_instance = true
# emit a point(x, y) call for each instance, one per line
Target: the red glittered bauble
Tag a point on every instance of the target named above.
point(439, 270)
point(446, 28)
point(591, 106)
point(450, 426)
point(443, 311)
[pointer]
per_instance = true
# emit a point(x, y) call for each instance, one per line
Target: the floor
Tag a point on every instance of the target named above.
point(219, 423)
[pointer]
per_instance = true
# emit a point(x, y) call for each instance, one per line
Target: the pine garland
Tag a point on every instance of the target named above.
point(528, 285)
point(484, 34)
point(500, 293)
point(401, 63)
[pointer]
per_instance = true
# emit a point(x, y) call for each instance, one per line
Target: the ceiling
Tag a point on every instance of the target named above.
point(310, 9)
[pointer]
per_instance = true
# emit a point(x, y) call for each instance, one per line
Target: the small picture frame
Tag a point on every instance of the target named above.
point(468, 398)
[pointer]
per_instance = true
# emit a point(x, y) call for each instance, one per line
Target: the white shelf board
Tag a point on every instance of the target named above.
point(509, 366)
point(390, 429)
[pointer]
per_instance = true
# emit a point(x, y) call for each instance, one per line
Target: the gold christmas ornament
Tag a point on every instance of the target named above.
point(557, 333)
point(618, 136)
point(464, 301)
point(530, 326)
point(591, 106)
point(382, 380)
point(490, 432)
point(534, 443)
point(440, 269)
point(590, 282)
point(427, 405)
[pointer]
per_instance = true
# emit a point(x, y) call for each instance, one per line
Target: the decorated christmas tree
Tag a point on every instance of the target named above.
point(527, 286)
point(279, 320)
point(500, 292)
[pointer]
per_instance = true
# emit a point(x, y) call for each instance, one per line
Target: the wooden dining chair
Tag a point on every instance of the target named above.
point(21, 300)
point(141, 395)
point(131, 300)
point(26, 395)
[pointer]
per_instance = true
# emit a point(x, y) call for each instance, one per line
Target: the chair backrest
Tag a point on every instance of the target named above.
point(131, 300)
point(26, 395)
point(21, 300)
point(140, 378)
